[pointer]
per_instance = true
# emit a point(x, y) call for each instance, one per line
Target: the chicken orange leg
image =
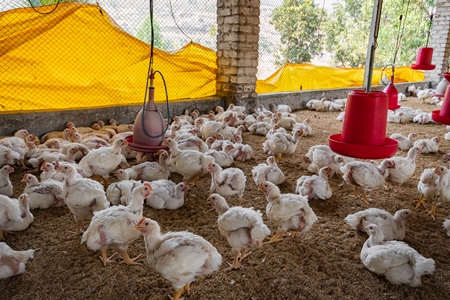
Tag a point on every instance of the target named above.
point(432, 212)
point(236, 262)
point(127, 260)
point(365, 196)
point(105, 259)
point(275, 238)
point(420, 202)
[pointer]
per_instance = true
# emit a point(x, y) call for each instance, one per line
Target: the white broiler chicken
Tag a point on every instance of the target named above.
point(8, 156)
point(404, 142)
point(261, 127)
point(284, 144)
point(392, 226)
point(404, 167)
point(13, 262)
point(49, 172)
point(121, 192)
point(289, 212)
point(423, 118)
point(224, 157)
point(287, 123)
point(307, 130)
point(15, 214)
point(268, 172)
point(242, 152)
point(227, 182)
point(428, 186)
point(180, 257)
point(425, 94)
point(147, 171)
point(210, 128)
point(395, 260)
point(48, 193)
point(193, 143)
point(429, 145)
point(280, 107)
point(366, 175)
point(83, 196)
point(6, 187)
point(242, 227)
point(316, 186)
point(320, 156)
point(114, 226)
point(188, 163)
point(444, 189)
point(167, 194)
point(103, 161)
point(17, 144)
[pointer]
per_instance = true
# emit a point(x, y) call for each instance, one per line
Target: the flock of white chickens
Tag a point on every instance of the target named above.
point(73, 168)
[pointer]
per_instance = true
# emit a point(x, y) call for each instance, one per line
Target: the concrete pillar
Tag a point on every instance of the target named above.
point(237, 50)
point(440, 40)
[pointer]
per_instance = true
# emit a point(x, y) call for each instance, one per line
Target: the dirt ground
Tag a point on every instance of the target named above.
point(323, 263)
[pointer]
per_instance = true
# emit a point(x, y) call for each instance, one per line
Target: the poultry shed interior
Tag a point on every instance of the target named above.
point(320, 261)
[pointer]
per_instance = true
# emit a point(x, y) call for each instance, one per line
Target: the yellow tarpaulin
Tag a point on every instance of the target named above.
point(296, 77)
point(76, 57)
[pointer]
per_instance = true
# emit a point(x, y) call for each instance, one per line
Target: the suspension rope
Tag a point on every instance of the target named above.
point(173, 17)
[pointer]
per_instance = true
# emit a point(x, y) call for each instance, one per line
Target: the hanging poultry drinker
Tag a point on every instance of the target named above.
point(149, 126)
point(391, 91)
point(364, 129)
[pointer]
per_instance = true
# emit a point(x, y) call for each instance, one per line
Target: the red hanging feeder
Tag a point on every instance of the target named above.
point(425, 54)
point(364, 129)
point(443, 115)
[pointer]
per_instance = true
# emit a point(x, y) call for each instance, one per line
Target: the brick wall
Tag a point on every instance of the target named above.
point(237, 49)
point(440, 40)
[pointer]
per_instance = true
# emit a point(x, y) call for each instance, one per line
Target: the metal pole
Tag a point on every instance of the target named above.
point(376, 14)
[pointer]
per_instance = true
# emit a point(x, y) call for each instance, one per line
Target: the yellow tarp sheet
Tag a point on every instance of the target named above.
point(77, 57)
point(296, 77)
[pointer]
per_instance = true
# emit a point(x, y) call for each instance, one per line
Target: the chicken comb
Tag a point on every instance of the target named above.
point(24, 176)
point(147, 184)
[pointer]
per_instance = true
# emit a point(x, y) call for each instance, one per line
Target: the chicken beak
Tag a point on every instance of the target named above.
point(138, 225)
point(24, 177)
point(260, 188)
point(437, 171)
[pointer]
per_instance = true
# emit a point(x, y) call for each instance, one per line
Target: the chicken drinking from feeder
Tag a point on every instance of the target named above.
point(364, 130)
point(425, 54)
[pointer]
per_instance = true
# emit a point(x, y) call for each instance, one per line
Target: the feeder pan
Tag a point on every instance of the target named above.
point(143, 148)
point(423, 60)
point(364, 129)
point(442, 86)
point(443, 115)
point(392, 93)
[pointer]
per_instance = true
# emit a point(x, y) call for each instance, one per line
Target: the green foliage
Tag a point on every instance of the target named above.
point(348, 29)
point(144, 34)
point(29, 3)
point(298, 23)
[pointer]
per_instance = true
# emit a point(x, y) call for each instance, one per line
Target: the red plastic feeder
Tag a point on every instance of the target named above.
point(364, 130)
point(443, 115)
point(392, 93)
point(423, 60)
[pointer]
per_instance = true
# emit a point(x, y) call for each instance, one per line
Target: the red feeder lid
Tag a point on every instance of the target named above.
point(363, 151)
